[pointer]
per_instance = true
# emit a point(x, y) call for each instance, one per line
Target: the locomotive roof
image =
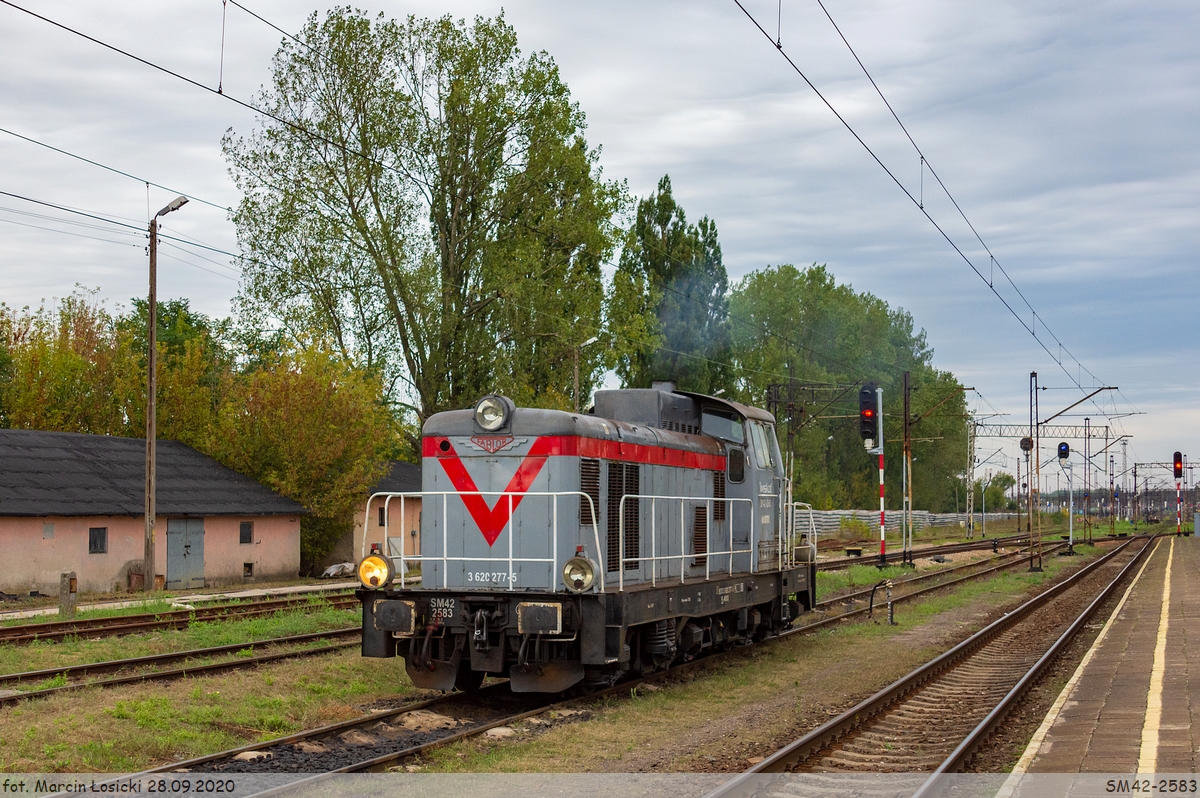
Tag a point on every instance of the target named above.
point(535, 422)
point(632, 427)
point(747, 411)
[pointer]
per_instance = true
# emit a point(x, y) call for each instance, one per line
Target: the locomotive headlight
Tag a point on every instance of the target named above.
point(578, 573)
point(491, 413)
point(375, 572)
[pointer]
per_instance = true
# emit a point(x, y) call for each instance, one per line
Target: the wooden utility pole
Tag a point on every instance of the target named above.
point(148, 567)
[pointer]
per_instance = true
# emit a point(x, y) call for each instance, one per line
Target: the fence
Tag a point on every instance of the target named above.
point(830, 521)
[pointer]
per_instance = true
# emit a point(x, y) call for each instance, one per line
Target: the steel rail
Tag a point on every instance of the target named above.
point(321, 732)
point(832, 730)
point(913, 594)
point(118, 625)
point(187, 670)
point(928, 551)
point(965, 751)
point(858, 594)
point(622, 687)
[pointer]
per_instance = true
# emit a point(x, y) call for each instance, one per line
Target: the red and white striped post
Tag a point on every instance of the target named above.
point(879, 445)
point(1178, 510)
point(882, 516)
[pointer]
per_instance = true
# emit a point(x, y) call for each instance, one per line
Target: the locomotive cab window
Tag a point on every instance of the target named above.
point(764, 439)
point(736, 461)
point(722, 425)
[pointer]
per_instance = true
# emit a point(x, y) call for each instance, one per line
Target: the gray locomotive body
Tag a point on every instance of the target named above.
point(563, 547)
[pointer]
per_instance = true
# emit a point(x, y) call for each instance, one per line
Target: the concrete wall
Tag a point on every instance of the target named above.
point(34, 557)
point(275, 552)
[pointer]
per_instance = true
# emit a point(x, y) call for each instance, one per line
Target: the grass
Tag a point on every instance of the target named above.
point(316, 616)
point(747, 704)
point(154, 723)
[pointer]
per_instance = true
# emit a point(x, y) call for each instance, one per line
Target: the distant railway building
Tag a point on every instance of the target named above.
point(73, 502)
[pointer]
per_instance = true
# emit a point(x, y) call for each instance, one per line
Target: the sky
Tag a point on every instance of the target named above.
point(1067, 133)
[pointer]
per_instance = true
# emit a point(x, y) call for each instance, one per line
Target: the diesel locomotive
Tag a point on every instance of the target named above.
point(561, 548)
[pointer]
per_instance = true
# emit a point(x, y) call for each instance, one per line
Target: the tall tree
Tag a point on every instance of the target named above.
point(800, 324)
point(671, 273)
point(429, 202)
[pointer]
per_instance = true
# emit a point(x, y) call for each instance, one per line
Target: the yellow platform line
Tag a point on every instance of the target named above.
point(1035, 743)
point(1148, 756)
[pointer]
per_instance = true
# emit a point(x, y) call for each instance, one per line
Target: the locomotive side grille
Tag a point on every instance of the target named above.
point(589, 483)
point(623, 479)
point(633, 537)
point(700, 534)
point(718, 493)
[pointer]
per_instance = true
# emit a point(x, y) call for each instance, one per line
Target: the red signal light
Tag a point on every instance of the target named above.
point(868, 413)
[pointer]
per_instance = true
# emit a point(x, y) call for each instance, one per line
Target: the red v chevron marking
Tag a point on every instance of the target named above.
point(492, 520)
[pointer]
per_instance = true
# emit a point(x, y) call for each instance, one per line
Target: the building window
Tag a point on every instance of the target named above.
point(382, 516)
point(98, 540)
point(246, 532)
point(247, 569)
point(47, 531)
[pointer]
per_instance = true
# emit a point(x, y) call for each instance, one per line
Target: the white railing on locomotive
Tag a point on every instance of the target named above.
point(445, 495)
point(795, 508)
point(684, 555)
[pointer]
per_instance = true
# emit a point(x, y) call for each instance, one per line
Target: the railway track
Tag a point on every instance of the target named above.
point(149, 668)
point(383, 739)
point(116, 625)
point(936, 718)
point(141, 664)
point(926, 551)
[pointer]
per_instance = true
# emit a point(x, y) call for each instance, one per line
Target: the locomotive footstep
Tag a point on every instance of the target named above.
point(423, 720)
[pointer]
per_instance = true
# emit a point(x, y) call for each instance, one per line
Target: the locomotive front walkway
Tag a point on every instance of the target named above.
point(1133, 704)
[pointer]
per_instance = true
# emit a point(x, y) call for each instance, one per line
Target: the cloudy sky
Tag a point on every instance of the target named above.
point(1067, 132)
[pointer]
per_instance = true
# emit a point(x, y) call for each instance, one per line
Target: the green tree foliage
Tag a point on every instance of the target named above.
point(788, 323)
point(430, 204)
point(312, 427)
point(670, 299)
point(301, 419)
point(997, 493)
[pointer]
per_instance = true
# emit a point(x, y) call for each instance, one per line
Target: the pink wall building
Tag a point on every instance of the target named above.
point(71, 502)
point(403, 518)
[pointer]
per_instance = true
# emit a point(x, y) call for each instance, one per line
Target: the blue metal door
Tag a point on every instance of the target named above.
point(185, 553)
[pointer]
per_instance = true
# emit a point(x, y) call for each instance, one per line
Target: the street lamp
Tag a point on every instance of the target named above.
point(588, 342)
point(148, 567)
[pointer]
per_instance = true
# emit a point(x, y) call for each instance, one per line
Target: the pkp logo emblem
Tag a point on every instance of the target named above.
point(491, 443)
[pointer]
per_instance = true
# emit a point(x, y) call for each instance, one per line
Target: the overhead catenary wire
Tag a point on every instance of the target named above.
point(1030, 327)
point(992, 260)
point(114, 170)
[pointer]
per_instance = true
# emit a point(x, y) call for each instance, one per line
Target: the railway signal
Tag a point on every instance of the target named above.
point(1064, 450)
point(867, 413)
point(1178, 463)
point(870, 427)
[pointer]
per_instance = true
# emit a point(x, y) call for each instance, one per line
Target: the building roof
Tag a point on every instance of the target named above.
point(65, 473)
point(401, 477)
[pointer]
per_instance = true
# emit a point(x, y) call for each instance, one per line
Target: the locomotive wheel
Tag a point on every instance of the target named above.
point(467, 680)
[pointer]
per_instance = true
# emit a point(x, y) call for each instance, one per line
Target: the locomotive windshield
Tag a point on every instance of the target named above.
point(721, 425)
point(761, 435)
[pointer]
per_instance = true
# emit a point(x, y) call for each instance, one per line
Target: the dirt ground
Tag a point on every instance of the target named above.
point(748, 705)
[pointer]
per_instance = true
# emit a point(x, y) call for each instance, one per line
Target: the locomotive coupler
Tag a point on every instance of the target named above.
point(480, 636)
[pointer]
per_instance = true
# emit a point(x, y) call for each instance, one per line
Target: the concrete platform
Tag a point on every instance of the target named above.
point(1133, 703)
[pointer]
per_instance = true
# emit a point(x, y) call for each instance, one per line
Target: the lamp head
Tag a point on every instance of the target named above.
point(173, 205)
